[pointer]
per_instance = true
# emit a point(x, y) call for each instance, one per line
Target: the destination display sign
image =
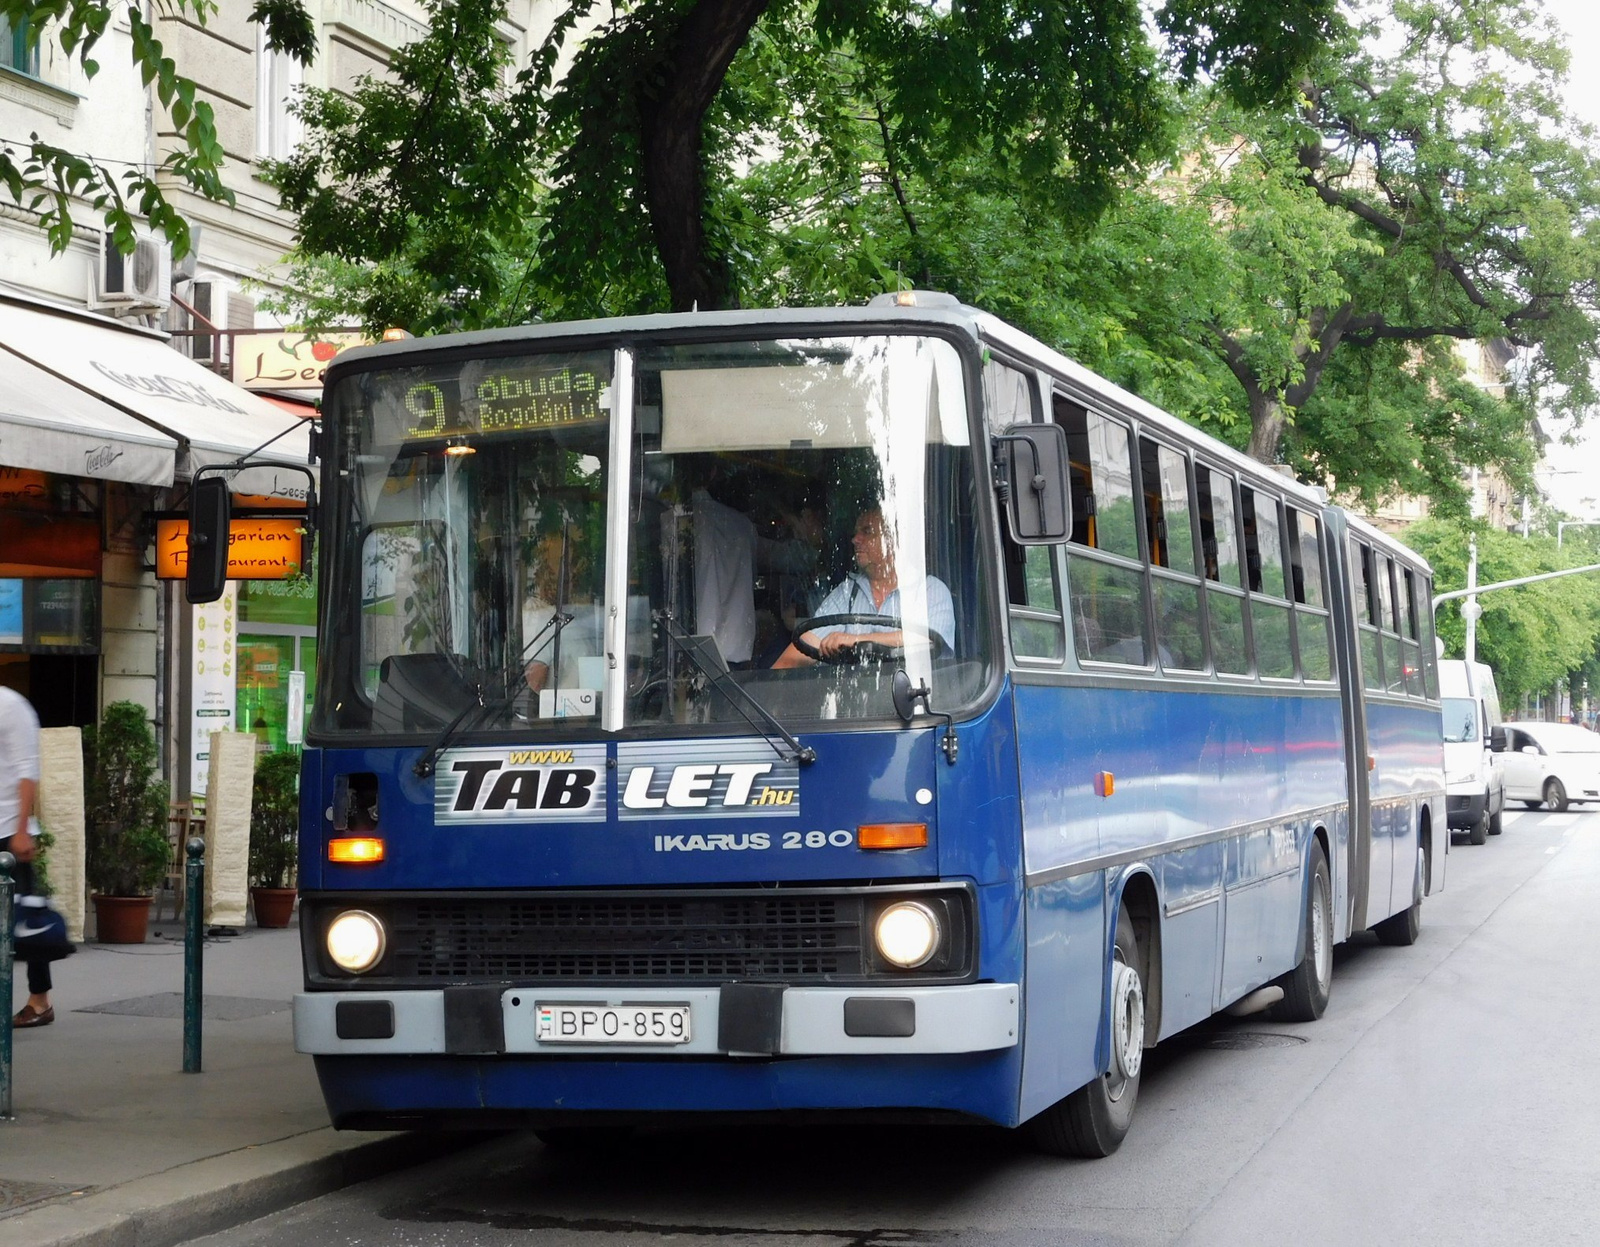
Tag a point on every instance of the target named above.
point(504, 398)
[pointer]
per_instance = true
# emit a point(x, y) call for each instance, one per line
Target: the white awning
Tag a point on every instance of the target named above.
point(136, 371)
point(47, 425)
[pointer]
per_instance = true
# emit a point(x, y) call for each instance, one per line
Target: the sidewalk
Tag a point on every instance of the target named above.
point(112, 1143)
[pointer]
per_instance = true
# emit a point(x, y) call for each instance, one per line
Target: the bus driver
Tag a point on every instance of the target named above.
point(873, 590)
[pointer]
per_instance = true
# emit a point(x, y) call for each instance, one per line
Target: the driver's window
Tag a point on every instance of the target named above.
point(1033, 588)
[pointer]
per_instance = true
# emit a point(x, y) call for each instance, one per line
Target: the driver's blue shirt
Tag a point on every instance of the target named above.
point(853, 596)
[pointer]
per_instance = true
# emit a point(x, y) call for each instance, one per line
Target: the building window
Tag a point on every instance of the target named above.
point(17, 51)
point(277, 76)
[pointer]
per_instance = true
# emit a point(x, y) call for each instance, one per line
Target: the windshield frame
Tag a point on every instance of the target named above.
point(338, 675)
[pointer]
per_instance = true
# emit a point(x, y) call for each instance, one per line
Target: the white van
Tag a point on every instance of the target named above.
point(1474, 778)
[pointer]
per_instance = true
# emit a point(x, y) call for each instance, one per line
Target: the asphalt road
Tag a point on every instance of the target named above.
point(1449, 1096)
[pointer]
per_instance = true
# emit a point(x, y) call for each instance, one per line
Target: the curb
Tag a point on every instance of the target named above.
point(220, 1192)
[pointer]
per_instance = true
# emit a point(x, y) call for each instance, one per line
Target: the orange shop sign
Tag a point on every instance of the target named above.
point(260, 547)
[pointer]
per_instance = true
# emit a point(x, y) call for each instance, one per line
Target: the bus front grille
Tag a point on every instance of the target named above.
point(633, 938)
point(713, 936)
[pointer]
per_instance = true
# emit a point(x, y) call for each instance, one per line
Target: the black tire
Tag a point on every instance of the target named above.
point(1533, 805)
point(1092, 1121)
point(1478, 833)
point(1307, 987)
point(1555, 795)
point(1401, 930)
point(1497, 820)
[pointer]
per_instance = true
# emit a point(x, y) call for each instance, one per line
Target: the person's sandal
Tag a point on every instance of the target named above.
point(29, 1016)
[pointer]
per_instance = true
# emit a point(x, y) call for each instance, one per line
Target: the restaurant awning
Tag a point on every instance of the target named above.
point(50, 426)
point(135, 371)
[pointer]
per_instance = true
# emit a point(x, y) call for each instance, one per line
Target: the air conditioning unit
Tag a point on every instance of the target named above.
point(225, 308)
point(140, 280)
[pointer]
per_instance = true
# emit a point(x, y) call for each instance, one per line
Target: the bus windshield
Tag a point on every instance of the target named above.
point(801, 522)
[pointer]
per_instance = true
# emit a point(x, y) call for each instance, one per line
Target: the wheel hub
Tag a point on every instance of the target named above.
point(1127, 1024)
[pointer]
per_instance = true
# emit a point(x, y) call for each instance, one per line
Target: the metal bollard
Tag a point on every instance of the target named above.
point(7, 952)
point(193, 952)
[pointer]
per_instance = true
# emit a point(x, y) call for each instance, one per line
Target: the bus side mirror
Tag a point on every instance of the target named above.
point(1497, 740)
point(210, 508)
point(1031, 474)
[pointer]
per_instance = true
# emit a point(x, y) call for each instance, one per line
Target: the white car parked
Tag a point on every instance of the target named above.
point(1551, 764)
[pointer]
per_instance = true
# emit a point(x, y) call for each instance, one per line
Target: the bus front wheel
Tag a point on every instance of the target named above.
point(1094, 1119)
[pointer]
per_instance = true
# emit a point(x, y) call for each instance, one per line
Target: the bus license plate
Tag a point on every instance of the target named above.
point(621, 1024)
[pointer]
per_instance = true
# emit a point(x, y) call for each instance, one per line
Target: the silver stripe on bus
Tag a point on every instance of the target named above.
point(1088, 865)
point(1194, 902)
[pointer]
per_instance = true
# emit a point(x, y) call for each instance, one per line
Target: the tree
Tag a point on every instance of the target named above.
point(46, 179)
point(1414, 197)
point(1532, 636)
point(640, 142)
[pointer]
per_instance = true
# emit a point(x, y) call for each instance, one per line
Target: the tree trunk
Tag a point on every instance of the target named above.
point(1267, 423)
point(693, 66)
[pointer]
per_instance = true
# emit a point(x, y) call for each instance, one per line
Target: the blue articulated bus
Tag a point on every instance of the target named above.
point(858, 710)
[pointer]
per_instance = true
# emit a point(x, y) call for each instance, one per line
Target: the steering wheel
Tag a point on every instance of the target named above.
point(863, 651)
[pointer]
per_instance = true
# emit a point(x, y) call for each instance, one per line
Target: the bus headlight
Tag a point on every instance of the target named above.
point(355, 941)
point(907, 934)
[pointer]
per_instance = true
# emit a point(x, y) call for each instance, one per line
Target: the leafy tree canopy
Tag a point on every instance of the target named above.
point(1532, 636)
point(616, 182)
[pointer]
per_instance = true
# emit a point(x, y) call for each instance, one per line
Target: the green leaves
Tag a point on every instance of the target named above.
point(1533, 636)
point(47, 180)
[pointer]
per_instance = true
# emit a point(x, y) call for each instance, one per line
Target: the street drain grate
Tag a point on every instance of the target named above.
point(14, 1194)
point(170, 1005)
point(1240, 1040)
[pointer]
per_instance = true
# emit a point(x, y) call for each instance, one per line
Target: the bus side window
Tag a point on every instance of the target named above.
point(1033, 595)
point(1366, 615)
point(1106, 577)
point(1169, 523)
point(1219, 544)
point(1430, 656)
point(1263, 545)
point(1312, 623)
point(1410, 633)
point(1389, 621)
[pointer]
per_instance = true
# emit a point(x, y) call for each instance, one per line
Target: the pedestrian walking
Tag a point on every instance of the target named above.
point(19, 795)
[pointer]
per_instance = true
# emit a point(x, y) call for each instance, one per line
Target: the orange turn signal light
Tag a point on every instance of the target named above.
point(356, 850)
point(1105, 783)
point(892, 835)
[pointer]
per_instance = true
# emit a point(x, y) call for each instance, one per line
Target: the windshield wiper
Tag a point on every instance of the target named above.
point(425, 764)
point(723, 682)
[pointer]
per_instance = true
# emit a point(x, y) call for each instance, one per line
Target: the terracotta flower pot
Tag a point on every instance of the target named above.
point(274, 906)
point(121, 919)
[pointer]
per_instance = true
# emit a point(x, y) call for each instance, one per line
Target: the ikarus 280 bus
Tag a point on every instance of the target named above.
point(863, 710)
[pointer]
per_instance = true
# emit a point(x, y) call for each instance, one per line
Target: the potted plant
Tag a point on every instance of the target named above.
point(125, 824)
point(274, 819)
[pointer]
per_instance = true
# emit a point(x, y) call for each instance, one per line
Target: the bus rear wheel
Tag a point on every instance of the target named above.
point(1307, 987)
point(1401, 929)
point(1093, 1120)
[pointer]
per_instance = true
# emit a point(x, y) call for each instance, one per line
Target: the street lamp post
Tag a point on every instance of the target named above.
point(1563, 525)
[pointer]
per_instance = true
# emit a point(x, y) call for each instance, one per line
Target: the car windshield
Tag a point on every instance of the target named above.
point(799, 524)
point(1460, 720)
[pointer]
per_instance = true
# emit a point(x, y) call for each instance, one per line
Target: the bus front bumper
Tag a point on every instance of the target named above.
point(740, 1019)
